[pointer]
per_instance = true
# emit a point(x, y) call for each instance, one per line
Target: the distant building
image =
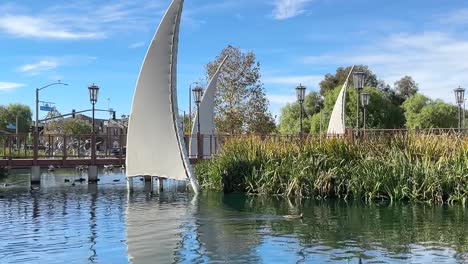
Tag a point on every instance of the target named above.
point(111, 132)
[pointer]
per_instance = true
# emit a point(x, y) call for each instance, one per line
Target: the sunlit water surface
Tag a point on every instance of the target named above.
point(68, 222)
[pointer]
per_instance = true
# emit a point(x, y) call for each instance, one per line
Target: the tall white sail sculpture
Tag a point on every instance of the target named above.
point(154, 141)
point(337, 124)
point(207, 126)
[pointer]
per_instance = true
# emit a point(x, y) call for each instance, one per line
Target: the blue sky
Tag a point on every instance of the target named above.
point(296, 41)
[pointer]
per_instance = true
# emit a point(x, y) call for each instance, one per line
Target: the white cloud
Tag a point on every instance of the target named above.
point(76, 21)
point(285, 9)
point(40, 28)
point(293, 81)
point(9, 86)
point(434, 59)
point(281, 99)
point(458, 17)
point(136, 45)
point(41, 66)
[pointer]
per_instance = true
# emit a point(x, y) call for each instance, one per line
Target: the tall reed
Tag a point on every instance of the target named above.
point(413, 167)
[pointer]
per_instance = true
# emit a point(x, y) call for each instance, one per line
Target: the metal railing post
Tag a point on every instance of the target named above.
point(93, 148)
point(199, 146)
point(35, 147)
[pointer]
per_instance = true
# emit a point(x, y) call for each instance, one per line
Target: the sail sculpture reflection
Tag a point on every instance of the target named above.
point(154, 142)
point(337, 125)
point(207, 126)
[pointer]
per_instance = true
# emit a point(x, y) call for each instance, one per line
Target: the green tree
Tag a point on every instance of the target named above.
point(381, 112)
point(9, 113)
point(330, 82)
point(438, 115)
point(69, 126)
point(406, 87)
point(421, 112)
point(413, 107)
point(240, 105)
point(289, 122)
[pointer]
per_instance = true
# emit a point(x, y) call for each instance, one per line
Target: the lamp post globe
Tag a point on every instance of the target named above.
point(460, 100)
point(93, 98)
point(300, 93)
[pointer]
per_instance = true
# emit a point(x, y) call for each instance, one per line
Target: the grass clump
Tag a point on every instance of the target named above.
point(425, 168)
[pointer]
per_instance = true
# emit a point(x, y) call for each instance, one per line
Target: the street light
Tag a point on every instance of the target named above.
point(300, 93)
point(460, 99)
point(197, 95)
point(37, 101)
point(93, 97)
point(190, 102)
point(365, 98)
point(358, 79)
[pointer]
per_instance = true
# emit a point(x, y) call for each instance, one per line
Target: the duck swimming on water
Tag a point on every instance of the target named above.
point(299, 216)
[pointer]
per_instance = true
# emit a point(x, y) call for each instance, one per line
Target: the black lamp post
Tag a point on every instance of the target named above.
point(300, 93)
point(460, 99)
point(93, 97)
point(197, 95)
point(358, 79)
point(365, 98)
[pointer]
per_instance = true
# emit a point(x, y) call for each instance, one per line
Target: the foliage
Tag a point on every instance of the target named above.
point(406, 87)
point(330, 82)
point(413, 167)
point(240, 105)
point(69, 126)
point(290, 114)
point(381, 112)
point(421, 112)
point(8, 116)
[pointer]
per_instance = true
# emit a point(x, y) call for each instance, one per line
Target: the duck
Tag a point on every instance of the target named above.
point(66, 180)
point(116, 180)
point(299, 216)
point(51, 168)
point(109, 167)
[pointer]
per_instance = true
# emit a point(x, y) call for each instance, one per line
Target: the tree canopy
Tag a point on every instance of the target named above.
point(69, 126)
point(241, 105)
point(330, 82)
point(421, 112)
point(389, 108)
point(9, 113)
point(289, 122)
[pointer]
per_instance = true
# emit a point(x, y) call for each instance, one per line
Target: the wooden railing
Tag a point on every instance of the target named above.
point(79, 147)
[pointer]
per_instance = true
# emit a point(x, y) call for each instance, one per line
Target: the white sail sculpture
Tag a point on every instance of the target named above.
point(207, 126)
point(337, 124)
point(155, 145)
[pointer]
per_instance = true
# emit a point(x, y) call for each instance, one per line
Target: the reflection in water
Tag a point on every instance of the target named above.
point(105, 223)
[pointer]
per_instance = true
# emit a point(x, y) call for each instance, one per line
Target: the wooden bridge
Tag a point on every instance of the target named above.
point(28, 150)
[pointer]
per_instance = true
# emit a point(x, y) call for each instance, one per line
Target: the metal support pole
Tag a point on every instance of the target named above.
point(198, 118)
point(93, 129)
point(37, 111)
point(301, 119)
point(190, 107)
point(17, 129)
point(460, 109)
point(358, 109)
point(365, 120)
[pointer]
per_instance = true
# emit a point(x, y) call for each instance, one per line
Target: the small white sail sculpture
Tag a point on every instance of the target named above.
point(154, 141)
point(337, 124)
point(207, 126)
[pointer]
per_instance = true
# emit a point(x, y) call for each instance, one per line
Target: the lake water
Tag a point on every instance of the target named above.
point(104, 223)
